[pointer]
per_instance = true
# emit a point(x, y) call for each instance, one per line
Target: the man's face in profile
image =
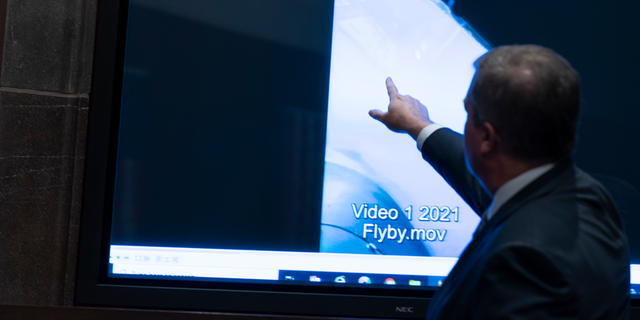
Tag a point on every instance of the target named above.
point(471, 138)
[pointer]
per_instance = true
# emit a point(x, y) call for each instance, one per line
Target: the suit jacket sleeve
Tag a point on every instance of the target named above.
point(444, 150)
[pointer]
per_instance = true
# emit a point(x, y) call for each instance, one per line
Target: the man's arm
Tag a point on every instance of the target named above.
point(445, 153)
point(444, 150)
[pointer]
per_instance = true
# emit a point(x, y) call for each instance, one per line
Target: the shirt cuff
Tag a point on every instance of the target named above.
point(425, 133)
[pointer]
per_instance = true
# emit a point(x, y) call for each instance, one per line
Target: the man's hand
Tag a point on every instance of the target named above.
point(405, 114)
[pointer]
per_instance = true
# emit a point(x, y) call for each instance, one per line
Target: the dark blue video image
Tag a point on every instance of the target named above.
point(222, 125)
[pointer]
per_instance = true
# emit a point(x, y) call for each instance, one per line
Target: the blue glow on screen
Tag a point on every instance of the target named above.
point(372, 172)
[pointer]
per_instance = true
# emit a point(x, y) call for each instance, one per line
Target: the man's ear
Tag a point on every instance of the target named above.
point(490, 139)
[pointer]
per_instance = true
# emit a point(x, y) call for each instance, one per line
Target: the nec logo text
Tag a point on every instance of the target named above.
point(404, 309)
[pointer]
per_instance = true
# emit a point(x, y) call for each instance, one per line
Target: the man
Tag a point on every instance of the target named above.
point(551, 243)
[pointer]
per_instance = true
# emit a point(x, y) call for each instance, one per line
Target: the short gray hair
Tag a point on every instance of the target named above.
point(531, 96)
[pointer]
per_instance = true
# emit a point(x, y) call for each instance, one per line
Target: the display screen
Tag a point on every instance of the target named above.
point(246, 153)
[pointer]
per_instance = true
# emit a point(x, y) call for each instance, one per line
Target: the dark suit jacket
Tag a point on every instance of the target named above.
point(556, 250)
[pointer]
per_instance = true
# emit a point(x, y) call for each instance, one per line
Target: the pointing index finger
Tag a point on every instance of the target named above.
point(391, 88)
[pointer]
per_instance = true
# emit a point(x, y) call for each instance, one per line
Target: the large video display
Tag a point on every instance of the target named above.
point(245, 134)
point(232, 157)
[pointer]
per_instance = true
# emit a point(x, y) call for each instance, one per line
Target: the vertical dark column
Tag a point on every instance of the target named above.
point(44, 86)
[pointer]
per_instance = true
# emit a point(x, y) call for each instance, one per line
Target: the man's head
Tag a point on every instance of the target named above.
point(530, 96)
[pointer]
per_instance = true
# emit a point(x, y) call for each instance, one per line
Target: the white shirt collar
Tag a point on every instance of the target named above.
point(509, 189)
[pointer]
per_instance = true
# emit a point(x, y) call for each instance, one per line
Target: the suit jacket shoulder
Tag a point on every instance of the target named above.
point(549, 252)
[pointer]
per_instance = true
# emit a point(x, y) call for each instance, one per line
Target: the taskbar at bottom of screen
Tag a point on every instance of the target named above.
point(297, 277)
point(361, 279)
